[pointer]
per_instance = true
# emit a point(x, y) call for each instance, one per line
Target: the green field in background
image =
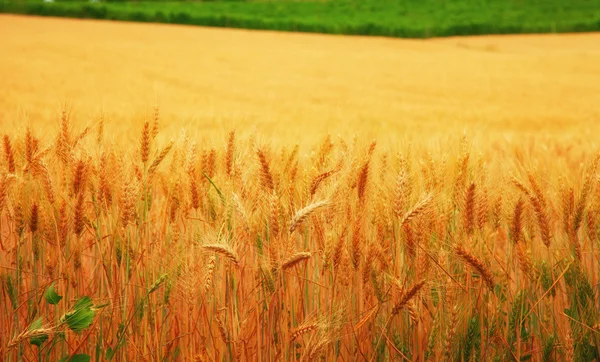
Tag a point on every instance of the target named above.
point(394, 18)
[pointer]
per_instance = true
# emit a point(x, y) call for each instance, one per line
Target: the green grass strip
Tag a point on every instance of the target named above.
point(392, 18)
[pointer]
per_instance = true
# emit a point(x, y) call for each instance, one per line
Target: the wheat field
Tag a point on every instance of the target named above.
point(296, 86)
point(189, 194)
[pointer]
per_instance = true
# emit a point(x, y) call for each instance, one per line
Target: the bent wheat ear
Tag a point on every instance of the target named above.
point(160, 158)
point(224, 250)
point(304, 213)
point(408, 296)
point(314, 185)
point(417, 209)
point(476, 264)
point(295, 259)
point(80, 136)
point(29, 334)
point(157, 283)
point(303, 330)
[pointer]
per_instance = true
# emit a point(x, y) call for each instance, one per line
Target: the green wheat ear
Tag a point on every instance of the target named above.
point(516, 313)
point(432, 339)
point(377, 289)
point(473, 335)
point(546, 279)
point(12, 293)
point(157, 283)
point(549, 344)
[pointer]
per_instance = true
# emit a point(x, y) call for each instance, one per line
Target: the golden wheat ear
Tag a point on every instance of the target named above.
point(301, 215)
point(477, 264)
point(224, 250)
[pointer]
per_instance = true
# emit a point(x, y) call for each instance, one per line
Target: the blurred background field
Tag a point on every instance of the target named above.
point(296, 86)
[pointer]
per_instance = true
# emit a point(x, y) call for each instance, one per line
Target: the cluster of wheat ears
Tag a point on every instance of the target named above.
point(184, 251)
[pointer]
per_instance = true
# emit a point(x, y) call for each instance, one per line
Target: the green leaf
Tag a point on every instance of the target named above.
point(80, 319)
point(216, 188)
point(109, 354)
point(37, 339)
point(51, 296)
point(80, 358)
point(81, 316)
point(36, 324)
point(84, 302)
point(76, 358)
